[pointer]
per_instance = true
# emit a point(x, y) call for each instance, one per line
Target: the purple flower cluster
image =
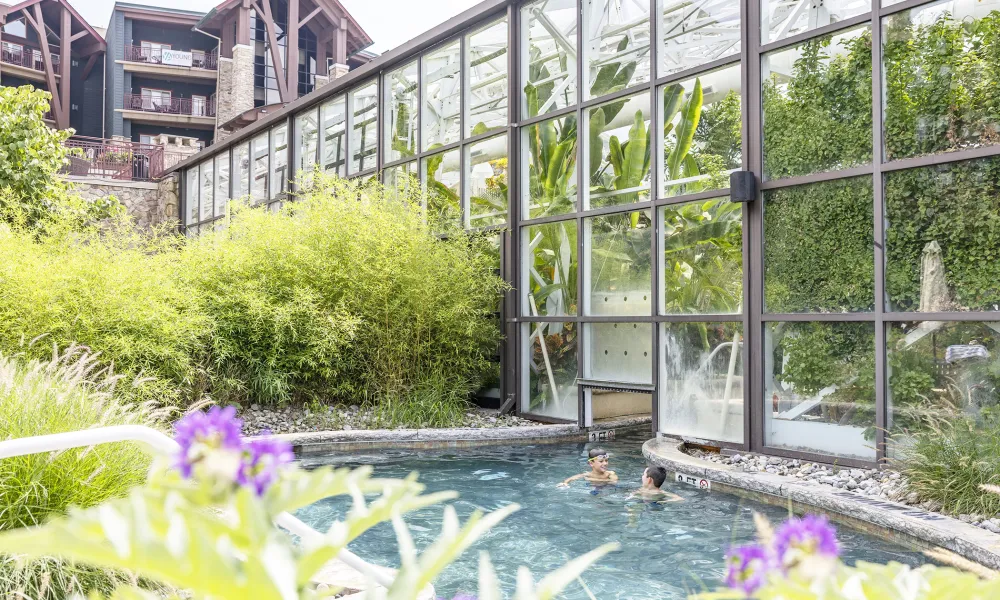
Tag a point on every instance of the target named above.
point(796, 540)
point(211, 442)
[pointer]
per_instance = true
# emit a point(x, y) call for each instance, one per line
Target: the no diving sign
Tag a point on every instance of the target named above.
point(698, 482)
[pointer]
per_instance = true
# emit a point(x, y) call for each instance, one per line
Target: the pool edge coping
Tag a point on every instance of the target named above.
point(965, 540)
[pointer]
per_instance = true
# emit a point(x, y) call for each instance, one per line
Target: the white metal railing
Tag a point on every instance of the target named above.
point(161, 444)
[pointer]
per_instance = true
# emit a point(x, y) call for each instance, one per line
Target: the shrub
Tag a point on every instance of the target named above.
point(66, 393)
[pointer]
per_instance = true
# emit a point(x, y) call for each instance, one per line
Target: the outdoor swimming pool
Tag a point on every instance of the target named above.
point(667, 551)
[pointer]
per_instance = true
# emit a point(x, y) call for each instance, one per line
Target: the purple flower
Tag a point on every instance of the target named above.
point(264, 459)
point(810, 536)
point(200, 433)
point(747, 568)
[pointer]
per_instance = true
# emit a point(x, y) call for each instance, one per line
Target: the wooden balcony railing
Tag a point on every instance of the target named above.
point(25, 56)
point(154, 56)
point(114, 159)
point(192, 107)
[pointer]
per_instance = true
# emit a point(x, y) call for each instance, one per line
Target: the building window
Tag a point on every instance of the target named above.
point(198, 105)
point(153, 99)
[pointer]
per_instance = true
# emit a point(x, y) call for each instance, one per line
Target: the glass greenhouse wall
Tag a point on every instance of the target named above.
point(851, 303)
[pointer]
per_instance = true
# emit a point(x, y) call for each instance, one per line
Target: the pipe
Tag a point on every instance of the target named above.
point(218, 56)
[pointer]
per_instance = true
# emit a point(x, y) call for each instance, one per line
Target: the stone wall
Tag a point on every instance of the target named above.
point(148, 202)
point(235, 88)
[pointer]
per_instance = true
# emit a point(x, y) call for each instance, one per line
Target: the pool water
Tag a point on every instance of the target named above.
point(667, 551)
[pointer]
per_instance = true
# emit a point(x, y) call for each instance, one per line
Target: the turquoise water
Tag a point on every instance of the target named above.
point(668, 550)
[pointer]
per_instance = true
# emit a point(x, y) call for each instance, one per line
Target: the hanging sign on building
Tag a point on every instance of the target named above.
point(177, 58)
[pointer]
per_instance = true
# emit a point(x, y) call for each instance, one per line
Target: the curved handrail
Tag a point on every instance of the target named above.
point(162, 444)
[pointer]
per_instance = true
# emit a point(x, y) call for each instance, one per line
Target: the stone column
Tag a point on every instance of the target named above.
point(234, 94)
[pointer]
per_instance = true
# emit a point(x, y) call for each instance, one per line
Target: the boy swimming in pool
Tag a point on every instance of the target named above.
point(652, 479)
point(599, 472)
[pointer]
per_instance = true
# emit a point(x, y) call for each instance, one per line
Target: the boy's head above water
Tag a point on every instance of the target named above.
point(653, 477)
point(598, 459)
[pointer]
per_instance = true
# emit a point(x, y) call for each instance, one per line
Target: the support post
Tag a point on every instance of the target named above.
point(292, 50)
point(38, 23)
point(65, 61)
point(272, 42)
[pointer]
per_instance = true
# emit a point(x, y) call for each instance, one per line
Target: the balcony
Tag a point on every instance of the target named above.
point(186, 107)
point(154, 56)
point(113, 159)
point(26, 57)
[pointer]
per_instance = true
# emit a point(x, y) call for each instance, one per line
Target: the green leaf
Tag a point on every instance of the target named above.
point(690, 116)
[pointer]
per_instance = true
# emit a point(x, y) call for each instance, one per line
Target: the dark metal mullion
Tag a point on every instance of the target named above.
point(379, 119)
point(699, 318)
point(750, 335)
point(655, 119)
point(903, 6)
point(581, 139)
point(753, 159)
point(512, 300)
point(463, 89)
point(468, 142)
point(942, 158)
point(817, 32)
point(706, 195)
point(784, 182)
point(909, 317)
point(714, 65)
point(881, 364)
point(549, 116)
point(857, 317)
point(635, 90)
point(348, 131)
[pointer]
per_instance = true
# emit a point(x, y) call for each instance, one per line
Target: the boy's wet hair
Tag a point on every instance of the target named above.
point(657, 474)
point(595, 452)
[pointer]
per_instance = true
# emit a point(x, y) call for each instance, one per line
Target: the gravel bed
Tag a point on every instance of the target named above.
point(884, 484)
point(303, 419)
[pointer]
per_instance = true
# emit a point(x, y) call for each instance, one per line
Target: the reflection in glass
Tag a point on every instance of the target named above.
point(702, 139)
point(619, 352)
point(701, 268)
point(616, 45)
point(818, 105)
point(442, 178)
point(259, 188)
point(941, 374)
point(364, 127)
point(819, 247)
point(401, 115)
point(207, 189)
point(548, 57)
point(486, 182)
point(333, 151)
point(695, 34)
point(442, 79)
point(486, 100)
point(191, 187)
point(701, 381)
point(940, 88)
point(279, 161)
point(784, 18)
point(551, 167)
point(617, 268)
point(241, 171)
point(307, 140)
point(222, 193)
point(550, 360)
point(402, 181)
point(819, 393)
point(942, 237)
point(548, 276)
point(618, 150)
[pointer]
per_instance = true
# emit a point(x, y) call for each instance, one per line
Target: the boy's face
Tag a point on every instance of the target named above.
point(599, 463)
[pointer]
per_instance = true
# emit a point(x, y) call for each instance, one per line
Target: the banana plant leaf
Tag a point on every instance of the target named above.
point(690, 115)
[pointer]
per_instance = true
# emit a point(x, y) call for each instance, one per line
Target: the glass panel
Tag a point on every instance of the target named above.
point(616, 45)
point(279, 161)
point(549, 370)
point(307, 140)
point(222, 193)
point(692, 35)
point(784, 18)
point(548, 276)
point(701, 381)
point(442, 176)
point(940, 373)
point(259, 188)
point(819, 247)
point(486, 182)
point(940, 86)
point(548, 57)
point(207, 189)
point(402, 180)
point(486, 100)
point(364, 128)
point(701, 268)
point(818, 105)
point(619, 352)
point(550, 188)
point(702, 142)
point(618, 152)
point(441, 115)
point(241, 170)
point(942, 238)
point(819, 393)
point(192, 186)
point(617, 268)
point(334, 152)
point(401, 113)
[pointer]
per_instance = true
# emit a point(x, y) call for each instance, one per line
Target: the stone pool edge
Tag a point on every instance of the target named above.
point(873, 515)
point(324, 442)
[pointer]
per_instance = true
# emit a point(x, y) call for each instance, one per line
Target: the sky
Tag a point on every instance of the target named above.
point(388, 22)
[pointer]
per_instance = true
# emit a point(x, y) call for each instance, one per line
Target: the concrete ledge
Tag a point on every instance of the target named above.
point(108, 181)
point(889, 520)
point(323, 442)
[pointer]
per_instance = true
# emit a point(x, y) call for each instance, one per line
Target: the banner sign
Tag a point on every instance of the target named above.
point(177, 58)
